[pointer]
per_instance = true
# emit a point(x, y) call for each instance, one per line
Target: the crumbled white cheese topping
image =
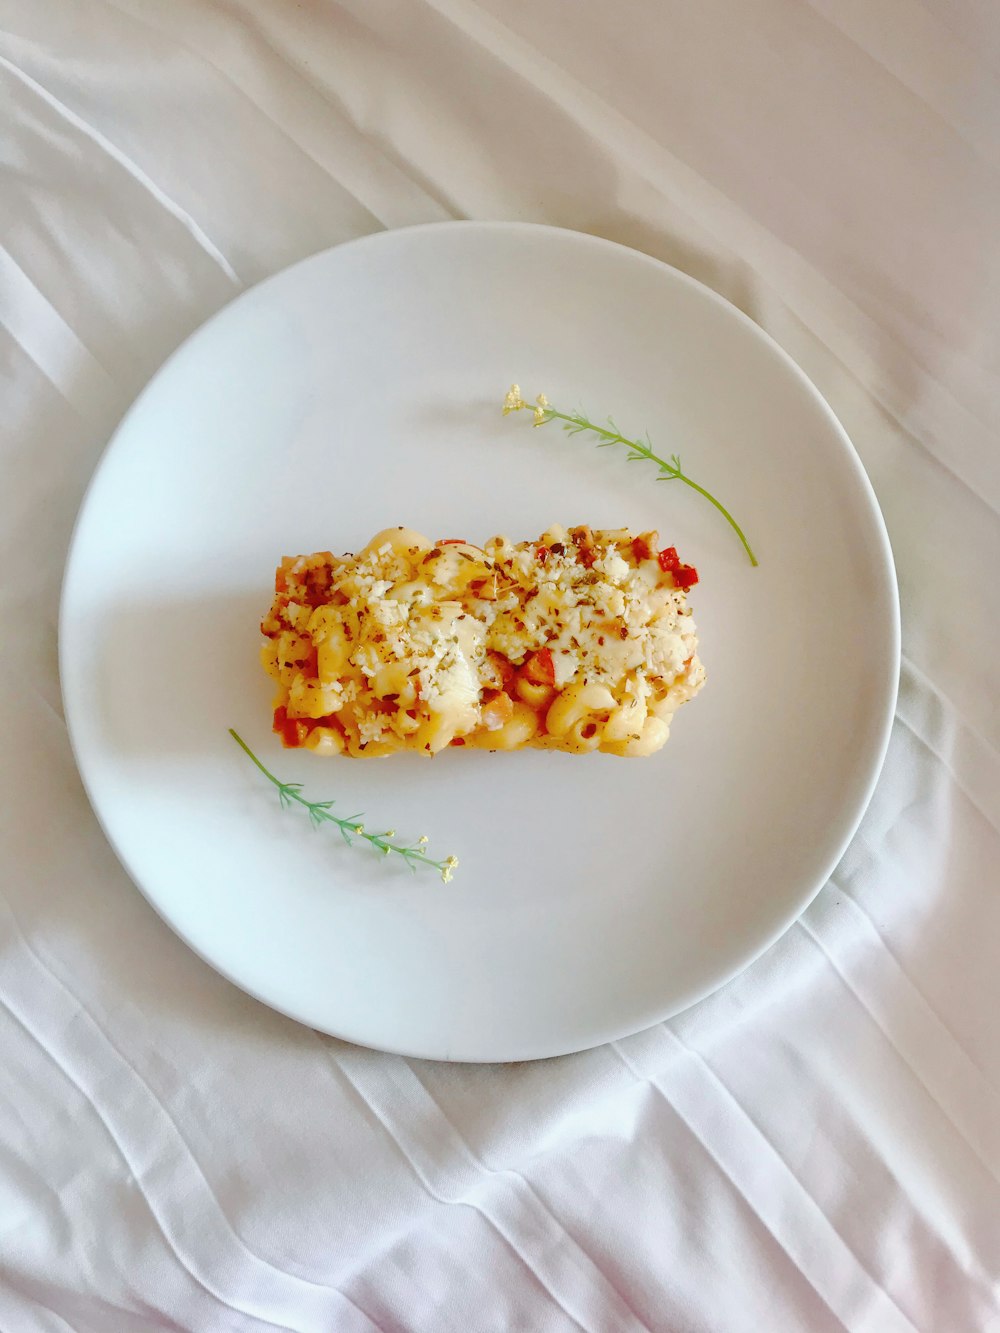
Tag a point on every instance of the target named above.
point(408, 626)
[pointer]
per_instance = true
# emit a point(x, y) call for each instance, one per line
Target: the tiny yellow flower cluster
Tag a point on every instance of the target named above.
point(450, 866)
point(514, 403)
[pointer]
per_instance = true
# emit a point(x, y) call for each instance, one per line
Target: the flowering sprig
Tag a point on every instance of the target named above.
point(320, 812)
point(576, 423)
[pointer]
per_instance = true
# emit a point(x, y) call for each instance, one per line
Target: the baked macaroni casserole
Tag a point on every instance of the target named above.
point(580, 641)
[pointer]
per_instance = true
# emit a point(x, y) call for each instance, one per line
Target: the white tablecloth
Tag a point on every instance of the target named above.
point(817, 1146)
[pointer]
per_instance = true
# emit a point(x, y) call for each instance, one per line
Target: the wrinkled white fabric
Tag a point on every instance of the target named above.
point(817, 1146)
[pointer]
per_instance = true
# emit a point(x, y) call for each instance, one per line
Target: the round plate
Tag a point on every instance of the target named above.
point(362, 388)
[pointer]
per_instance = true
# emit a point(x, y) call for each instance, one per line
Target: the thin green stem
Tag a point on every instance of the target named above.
point(671, 470)
point(247, 751)
point(319, 811)
point(575, 423)
point(682, 476)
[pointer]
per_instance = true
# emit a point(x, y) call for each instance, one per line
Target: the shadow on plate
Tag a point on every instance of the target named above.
point(166, 674)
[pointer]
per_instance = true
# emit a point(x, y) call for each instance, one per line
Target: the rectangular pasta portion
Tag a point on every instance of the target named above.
point(579, 641)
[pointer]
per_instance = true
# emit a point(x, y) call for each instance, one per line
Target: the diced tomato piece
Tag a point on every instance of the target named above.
point(669, 559)
point(280, 716)
point(456, 740)
point(540, 667)
point(280, 581)
point(318, 582)
point(685, 576)
point(641, 549)
point(542, 554)
point(294, 733)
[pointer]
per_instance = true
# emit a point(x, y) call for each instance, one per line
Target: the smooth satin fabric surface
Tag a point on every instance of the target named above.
point(817, 1146)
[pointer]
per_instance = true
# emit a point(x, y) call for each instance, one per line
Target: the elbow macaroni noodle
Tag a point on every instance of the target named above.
point(581, 641)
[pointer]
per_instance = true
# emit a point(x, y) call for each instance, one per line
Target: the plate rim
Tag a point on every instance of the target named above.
point(888, 686)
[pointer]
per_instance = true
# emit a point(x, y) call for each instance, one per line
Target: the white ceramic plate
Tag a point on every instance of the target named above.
point(362, 388)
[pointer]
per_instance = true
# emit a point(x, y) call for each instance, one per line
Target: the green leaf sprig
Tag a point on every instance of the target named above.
point(320, 812)
point(576, 423)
